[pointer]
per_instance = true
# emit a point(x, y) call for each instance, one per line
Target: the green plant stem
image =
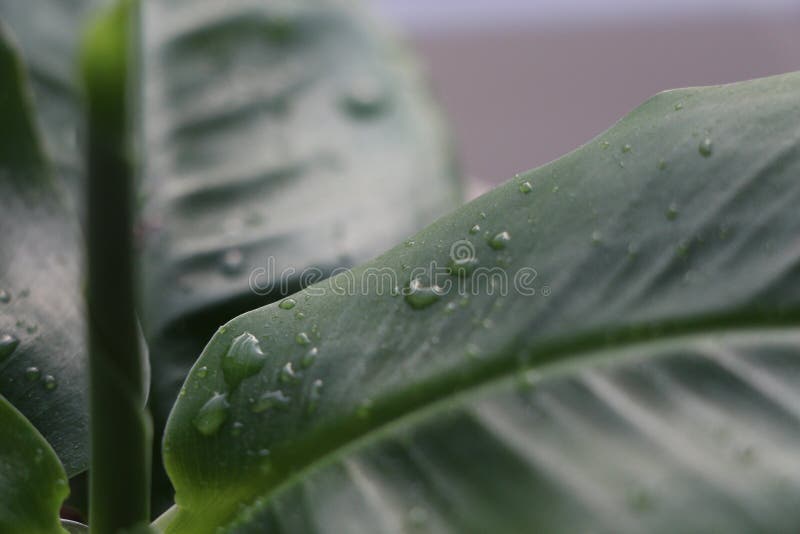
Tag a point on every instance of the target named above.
point(120, 429)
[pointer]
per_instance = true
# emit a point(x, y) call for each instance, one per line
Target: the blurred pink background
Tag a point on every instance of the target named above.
point(524, 81)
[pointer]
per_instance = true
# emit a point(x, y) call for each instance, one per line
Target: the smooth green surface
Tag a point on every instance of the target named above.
point(32, 481)
point(277, 135)
point(40, 292)
point(119, 475)
point(649, 385)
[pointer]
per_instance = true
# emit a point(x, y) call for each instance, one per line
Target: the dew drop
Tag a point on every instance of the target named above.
point(462, 267)
point(706, 147)
point(243, 359)
point(299, 315)
point(8, 344)
point(288, 375)
point(555, 189)
point(499, 241)
point(270, 399)
point(5, 296)
point(475, 229)
point(450, 308)
point(597, 237)
point(202, 372)
point(212, 415)
point(232, 262)
point(365, 97)
point(287, 304)
point(605, 144)
point(420, 296)
point(302, 339)
point(525, 188)
point(678, 106)
point(314, 396)
point(49, 382)
point(32, 374)
point(309, 358)
point(672, 211)
point(626, 148)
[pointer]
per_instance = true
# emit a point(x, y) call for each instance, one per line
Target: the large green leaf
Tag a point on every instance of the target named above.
point(32, 481)
point(279, 135)
point(42, 338)
point(48, 33)
point(648, 383)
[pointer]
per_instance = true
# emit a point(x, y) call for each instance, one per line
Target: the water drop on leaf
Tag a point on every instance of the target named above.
point(32, 374)
point(287, 304)
point(309, 358)
point(49, 382)
point(499, 241)
point(212, 415)
point(270, 399)
point(243, 359)
point(706, 147)
point(302, 339)
point(288, 375)
point(525, 187)
point(8, 344)
point(420, 296)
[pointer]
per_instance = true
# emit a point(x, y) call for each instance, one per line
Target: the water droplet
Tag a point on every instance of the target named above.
point(314, 396)
point(555, 189)
point(270, 399)
point(287, 304)
point(597, 237)
point(49, 382)
point(475, 229)
point(263, 452)
point(236, 428)
point(420, 296)
point(605, 144)
point(678, 106)
point(409, 243)
point(302, 339)
point(525, 187)
point(8, 344)
point(5, 296)
point(499, 241)
point(232, 262)
point(364, 97)
point(299, 315)
point(462, 267)
point(32, 374)
point(243, 359)
point(212, 415)
point(288, 375)
point(633, 249)
point(450, 308)
point(473, 351)
point(672, 211)
point(309, 358)
point(626, 148)
point(706, 147)
point(202, 372)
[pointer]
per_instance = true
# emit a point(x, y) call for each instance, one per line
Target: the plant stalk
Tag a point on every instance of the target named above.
point(119, 478)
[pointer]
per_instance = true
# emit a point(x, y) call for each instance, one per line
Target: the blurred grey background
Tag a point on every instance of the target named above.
point(524, 81)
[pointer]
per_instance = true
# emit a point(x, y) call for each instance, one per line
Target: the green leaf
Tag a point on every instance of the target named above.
point(279, 136)
point(48, 37)
point(42, 338)
point(32, 481)
point(644, 380)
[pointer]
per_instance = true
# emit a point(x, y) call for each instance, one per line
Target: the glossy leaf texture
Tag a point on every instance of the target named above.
point(42, 338)
point(48, 35)
point(621, 354)
point(32, 481)
point(280, 136)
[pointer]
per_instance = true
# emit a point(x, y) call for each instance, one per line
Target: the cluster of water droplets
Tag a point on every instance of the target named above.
point(245, 358)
